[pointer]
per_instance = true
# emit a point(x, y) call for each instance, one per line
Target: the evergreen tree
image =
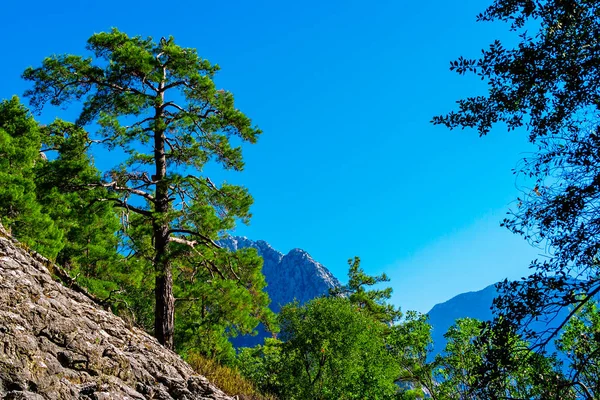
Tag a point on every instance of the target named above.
point(42, 201)
point(211, 308)
point(158, 103)
point(373, 301)
point(20, 212)
point(67, 186)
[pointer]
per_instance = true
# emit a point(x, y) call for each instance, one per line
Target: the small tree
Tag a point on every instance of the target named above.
point(158, 103)
point(372, 301)
point(332, 350)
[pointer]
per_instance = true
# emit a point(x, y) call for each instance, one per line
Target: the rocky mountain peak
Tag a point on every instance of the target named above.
point(293, 276)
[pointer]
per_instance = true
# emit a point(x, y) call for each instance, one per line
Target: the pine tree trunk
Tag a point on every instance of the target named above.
point(165, 302)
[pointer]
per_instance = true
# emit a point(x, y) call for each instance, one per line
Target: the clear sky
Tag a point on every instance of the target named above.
point(349, 163)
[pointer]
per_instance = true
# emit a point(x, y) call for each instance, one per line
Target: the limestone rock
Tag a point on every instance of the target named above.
point(56, 343)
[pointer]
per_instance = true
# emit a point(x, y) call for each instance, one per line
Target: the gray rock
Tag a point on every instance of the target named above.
point(57, 343)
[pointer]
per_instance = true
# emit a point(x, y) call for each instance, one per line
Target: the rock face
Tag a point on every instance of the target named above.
point(56, 343)
point(294, 276)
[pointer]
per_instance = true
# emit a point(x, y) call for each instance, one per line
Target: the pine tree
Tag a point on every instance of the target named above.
point(67, 186)
point(158, 103)
point(372, 301)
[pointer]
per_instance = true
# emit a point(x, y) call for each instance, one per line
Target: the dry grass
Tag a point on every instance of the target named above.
point(227, 379)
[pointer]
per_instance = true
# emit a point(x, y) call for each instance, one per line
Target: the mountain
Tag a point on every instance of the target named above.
point(465, 305)
point(477, 305)
point(57, 343)
point(293, 276)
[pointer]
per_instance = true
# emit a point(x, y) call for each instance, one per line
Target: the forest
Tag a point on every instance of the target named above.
point(142, 237)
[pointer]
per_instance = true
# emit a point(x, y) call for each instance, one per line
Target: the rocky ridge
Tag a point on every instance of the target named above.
point(57, 343)
point(289, 277)
point(294, 276)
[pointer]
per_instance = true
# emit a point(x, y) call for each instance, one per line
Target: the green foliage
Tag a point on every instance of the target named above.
point(548, 84)
point(48, 205)
point(20, 212)
point(211, 308)
point(66, 190)
point(262, 365)
point(373, 301)
point(333, 350)
point(410, 344)
point(336, 347)
point(481, 362)
point(580, 342)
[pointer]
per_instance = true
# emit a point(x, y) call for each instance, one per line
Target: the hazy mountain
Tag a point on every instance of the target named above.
point(471, 304)
point(475, 305)
point(293, 276)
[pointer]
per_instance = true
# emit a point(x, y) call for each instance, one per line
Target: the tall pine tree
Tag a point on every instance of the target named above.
point(158, 103)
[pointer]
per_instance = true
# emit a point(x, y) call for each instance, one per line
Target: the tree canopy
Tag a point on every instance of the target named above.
point(20, 145)
point(548, 84)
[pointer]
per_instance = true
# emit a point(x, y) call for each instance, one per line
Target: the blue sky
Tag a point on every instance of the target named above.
point(349, 163)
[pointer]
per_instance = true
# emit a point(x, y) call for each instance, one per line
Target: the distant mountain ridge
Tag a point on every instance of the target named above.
point(475, 304)
point(293, 276)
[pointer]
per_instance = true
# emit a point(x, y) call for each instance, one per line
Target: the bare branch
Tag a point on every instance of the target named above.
point(565, 320)
point(123, 204)
point(115, 186)
point(205, 239)
point(190, 243)
point(175, 84)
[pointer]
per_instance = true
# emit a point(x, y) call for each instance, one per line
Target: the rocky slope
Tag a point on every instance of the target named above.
point(56, 343)
point(294, 276)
